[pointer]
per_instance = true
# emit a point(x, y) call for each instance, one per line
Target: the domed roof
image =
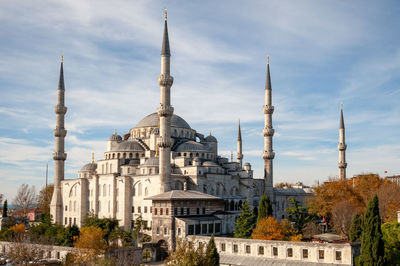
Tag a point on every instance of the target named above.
point(115, 137)
point(191, 146)
point(211, 138)
point(153, 119)
point(128, 145)
point(153, 161)
point(90, 167)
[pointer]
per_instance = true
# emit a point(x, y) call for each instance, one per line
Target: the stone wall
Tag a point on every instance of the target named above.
point(270, 250)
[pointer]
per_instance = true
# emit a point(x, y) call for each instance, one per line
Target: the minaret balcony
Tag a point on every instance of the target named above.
point(165, 80)
point(342, 165)
point(60, 109)
point(59, 156)
point(268, 109)
point(60, 132)
point(239, 156)
point(268, 155)
point(164, 110)
point(268, 132)
point(342, 147)
point(164, 143)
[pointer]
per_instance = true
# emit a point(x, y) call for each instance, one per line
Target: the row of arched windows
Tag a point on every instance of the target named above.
point(106, 168)
point(181, 133)
point(202, 155)
point(124, 155)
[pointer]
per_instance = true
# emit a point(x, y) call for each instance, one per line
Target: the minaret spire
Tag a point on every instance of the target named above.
point(342, 147)
point(59, 155)
point(239, 155)
point(268, 132)
point(165, 111)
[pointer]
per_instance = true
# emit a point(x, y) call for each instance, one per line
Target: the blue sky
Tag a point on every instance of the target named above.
point(322, 53)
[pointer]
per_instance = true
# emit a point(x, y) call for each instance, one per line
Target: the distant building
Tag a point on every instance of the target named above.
point(394, 178)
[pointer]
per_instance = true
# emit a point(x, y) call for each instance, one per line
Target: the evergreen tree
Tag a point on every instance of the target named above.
point(264, 207)
point(5, 209)
point(372, 246)
point(298, 215)
point(212, 256)
point(356, 228)
point(245, 222)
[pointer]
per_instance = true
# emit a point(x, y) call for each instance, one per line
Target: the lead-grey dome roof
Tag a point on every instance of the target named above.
point(152, 161)
point(128, 145)
point(153, 119)
point(191, 146)
point(90, 167)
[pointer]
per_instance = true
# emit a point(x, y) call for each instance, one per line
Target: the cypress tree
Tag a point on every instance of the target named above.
point(355, 228)
point(245, 222)
point(5, 209)
point(264, 207)
point(212, 256)
point(372, 246)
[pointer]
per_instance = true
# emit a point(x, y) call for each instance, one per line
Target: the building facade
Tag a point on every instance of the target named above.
point(163, 153)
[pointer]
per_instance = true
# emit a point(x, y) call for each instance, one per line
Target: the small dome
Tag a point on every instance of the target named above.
point(211, 138)
point(115, 137)
point(153, 120)
point(90, 167)
point(153, 161)
point(128, 145)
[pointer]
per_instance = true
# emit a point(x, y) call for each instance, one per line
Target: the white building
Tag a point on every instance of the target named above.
point(161, 153)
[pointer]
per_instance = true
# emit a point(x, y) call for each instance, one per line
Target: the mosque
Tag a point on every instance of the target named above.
point(163, 157)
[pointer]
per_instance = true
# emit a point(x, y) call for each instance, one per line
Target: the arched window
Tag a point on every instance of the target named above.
point(140, 189)
point(102, 168)
point(146, 191)
point(75, 191)
point(70, 205)
point(113, 156)
point(118, 155)
point(137, 155)
point(104, 190)
point(130, 155)
point(109, 205)
point(128, 169)
point(106, 168)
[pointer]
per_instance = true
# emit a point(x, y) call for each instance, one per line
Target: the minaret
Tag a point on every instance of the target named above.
point(59, 155)
point(342, 148)
point(165, 112)
point(239, 155)
point(268, 132)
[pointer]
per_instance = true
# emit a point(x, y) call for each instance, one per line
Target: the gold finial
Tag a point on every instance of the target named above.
point(62, 58)
point(156, 150)
point(92, 157)
point(165, 14)
point(268, 59)
point(210, 133)
point(341, 106)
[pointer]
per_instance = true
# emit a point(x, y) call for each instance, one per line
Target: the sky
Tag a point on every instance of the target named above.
point(322, 54)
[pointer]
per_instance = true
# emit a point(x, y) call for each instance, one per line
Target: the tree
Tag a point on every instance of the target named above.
point(245, 222)
point(356, 228)
point(391, 238)
point(342, 215)
point(298, 215)
point(265, 207)
point(90, 245)
point(268, 229)
point(5, 209)
point(44, 198)
point(108, 225)
point(137, 230)
point(372, 246)
point(26, 198)
point(69, 235)
point(186, 254)
point(212, 256)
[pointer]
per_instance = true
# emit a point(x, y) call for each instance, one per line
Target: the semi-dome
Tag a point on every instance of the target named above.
point(191, 146)
point(152, 161)
point(90, 167)
point(128, 145)
point(153, 119)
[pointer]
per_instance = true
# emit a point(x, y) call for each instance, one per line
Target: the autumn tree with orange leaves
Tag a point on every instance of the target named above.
point(356, 192)
point(89, 246)
point(270, 229)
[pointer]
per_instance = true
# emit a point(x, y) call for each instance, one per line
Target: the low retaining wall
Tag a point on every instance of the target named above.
point(270, 250)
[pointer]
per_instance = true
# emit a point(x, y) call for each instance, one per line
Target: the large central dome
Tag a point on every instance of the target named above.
point(153, 120)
